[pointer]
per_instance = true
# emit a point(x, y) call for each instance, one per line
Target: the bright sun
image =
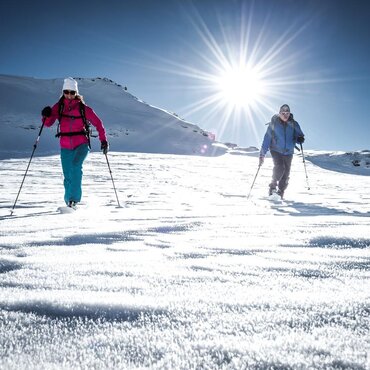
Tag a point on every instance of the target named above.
point(239, 86)
point(238, 73)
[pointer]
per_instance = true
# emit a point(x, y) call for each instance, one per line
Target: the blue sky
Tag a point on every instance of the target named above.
point(178, 55)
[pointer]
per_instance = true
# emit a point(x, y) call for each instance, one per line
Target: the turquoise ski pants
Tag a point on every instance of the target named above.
point(72, 161)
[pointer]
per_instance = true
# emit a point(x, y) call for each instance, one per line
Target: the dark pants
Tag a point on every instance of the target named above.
point(281, 170)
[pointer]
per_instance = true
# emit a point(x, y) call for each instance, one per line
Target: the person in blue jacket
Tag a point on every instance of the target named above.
point(282, 135)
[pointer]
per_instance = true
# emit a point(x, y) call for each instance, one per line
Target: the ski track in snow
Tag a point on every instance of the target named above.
point(189, 273)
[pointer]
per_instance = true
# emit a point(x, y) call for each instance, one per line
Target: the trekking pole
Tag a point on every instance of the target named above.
point(255, 177)
point(111, 176)
point(29, 162)
point(305, 169)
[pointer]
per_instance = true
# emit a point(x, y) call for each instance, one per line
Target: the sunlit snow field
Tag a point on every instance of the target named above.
point(189, 273)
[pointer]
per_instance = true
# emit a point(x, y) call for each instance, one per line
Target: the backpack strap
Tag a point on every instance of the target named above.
point(86, 123)
point(294, 135)
point(85, 132)
point(272, 125)
point(60, 113)
point(294, 130)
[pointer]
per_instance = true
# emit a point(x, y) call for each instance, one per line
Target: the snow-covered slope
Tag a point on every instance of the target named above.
point(132, 125)
point(356, 163)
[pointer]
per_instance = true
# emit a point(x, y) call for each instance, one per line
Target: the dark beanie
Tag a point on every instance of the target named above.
point(286, 106)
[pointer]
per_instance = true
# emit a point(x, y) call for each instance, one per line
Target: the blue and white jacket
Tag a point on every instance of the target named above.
point(281, 136)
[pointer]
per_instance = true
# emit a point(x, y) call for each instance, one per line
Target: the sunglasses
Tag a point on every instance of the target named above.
point(69, 92)
point(285, 112)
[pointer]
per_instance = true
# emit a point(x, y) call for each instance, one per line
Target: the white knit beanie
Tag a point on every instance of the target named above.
point(70, 84)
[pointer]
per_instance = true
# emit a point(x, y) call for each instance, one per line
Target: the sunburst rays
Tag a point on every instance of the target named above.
point(239, 71)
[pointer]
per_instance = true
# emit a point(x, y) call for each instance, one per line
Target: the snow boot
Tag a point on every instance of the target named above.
point(272, 190)
point(72, 204)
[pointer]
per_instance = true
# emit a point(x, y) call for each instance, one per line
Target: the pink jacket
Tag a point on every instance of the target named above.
point(70, 124)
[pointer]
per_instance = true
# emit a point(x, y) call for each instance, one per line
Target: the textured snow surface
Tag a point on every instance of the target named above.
point(189, 273)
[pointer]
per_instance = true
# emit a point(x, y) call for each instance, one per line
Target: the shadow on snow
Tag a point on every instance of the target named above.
point(293, 208)
point(93, 311)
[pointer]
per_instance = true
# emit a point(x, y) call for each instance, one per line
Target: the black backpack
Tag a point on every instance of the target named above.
point(85, 132)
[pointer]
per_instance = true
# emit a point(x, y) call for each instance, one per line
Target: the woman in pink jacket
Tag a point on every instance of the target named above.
point(74, 117)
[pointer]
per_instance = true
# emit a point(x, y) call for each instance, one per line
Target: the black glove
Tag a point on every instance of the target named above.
point(300, 139)
point(46, 112)
point(261, 160)
point(104, 146)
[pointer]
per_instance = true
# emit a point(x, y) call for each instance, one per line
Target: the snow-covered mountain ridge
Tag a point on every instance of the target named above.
point(132, 125)
point(356, 162)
